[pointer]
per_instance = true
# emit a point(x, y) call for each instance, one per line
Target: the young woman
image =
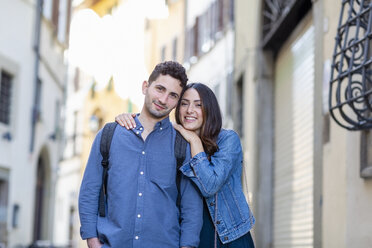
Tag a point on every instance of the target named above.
point(215, 167)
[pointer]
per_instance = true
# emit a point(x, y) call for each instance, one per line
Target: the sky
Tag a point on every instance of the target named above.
point(113, 45)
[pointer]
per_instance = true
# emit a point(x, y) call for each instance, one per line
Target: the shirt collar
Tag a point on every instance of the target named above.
point(161, 124)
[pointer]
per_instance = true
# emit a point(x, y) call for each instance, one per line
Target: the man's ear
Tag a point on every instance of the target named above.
point(145, 86)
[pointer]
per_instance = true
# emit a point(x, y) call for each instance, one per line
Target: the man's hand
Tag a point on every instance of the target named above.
point(94, 243)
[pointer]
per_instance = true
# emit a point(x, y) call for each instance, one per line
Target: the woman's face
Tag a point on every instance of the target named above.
point(191, 113)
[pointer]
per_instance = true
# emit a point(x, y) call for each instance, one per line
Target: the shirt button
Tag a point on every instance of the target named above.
point(137, 132)
point(143, 152)
point(136, 237)
point(226, 238)
point(211, 204)
point(141, 172)
point(141, 128)
point(140, 194)
point(161, 128)
point(139, 216)
point(218, 222)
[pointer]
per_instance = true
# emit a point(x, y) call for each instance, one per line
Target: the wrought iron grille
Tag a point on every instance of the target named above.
point(350, 93)
point(280, 17)
point(273, 12)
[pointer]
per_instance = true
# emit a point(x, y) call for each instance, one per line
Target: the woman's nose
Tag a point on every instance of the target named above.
point(190, 109)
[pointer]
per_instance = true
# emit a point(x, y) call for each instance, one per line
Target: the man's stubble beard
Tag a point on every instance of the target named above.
point(156, 114)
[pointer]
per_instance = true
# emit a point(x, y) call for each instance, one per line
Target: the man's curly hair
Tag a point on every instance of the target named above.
point(171, 68)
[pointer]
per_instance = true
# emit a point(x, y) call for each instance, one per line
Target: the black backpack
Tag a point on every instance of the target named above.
point(106, 138)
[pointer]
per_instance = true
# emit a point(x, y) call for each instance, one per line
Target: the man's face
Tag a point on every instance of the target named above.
point(161, 96)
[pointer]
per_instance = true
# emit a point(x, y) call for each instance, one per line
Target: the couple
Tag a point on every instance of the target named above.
point(141, 205)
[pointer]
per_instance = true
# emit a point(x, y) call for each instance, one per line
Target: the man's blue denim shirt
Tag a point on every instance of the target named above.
point(221, 177)
point(141, 208)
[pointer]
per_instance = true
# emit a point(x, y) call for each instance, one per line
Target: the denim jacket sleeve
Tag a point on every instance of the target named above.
point(191, 212)
point(210, 176)
point(89, 192)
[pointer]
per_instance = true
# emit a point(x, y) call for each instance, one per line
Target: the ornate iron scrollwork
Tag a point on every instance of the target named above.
point(273, 12)
point(280, 18)
point(350, 93)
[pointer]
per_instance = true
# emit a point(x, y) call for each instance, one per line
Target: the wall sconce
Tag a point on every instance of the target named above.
point(7, 136)
point(93, 123)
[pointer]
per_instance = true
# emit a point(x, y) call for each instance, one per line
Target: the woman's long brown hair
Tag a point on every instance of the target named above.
point(212, 120)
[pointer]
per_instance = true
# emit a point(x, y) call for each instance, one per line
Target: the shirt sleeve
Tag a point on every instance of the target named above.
point(89, 192)
point(191, 213)
point(210, 176)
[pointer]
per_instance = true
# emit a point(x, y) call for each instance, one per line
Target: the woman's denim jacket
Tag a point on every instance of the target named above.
point(220, 179)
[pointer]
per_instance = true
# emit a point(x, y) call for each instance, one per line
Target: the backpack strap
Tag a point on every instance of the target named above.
point(180, 152)
point(106, 138)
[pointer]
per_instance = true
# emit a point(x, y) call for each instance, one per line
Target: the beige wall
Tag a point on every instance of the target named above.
point(109, 105)
point(346, 216)
point(246, 43)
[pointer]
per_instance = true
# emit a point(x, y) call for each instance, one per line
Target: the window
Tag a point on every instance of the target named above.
point(239, 120)
point(62, 22)
point(57, 120)
point(195, 48)
point(174, 51)
point(162, 54)
point(47, 9)
point(60, 17)
point(37, 110)
point(229, 95)
point(220, 15)
point(4, 189)
point(366, 154)
point(5, 97)
point(77, 79)
point(74, 134)
point(231, 14)
point(55, 14)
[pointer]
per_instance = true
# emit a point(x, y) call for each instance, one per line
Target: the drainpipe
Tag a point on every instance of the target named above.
point(37, 85)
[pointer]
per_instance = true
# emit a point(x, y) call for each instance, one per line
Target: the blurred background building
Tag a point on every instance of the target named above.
point(34, 38)
point(305, 171)
point(269, 62)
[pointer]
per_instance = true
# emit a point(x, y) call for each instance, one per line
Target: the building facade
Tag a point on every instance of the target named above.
point(303, 168)
point(33, 74)
point(209, 49)
point(89, 105)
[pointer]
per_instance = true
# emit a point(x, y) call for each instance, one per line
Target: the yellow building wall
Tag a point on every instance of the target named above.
point(106, 104)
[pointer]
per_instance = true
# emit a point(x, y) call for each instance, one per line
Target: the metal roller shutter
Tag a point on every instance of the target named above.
point(293, 158)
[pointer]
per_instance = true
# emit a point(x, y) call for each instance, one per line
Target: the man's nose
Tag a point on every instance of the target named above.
point(163, 98)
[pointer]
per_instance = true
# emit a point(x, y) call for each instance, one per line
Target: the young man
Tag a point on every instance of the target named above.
point(141, 208)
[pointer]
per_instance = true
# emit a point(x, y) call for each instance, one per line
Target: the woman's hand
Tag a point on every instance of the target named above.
point(191, 137)
point(187, 135)
point(126, 120)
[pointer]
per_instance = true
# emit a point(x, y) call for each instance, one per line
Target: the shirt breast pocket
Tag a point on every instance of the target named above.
point(161, 169)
